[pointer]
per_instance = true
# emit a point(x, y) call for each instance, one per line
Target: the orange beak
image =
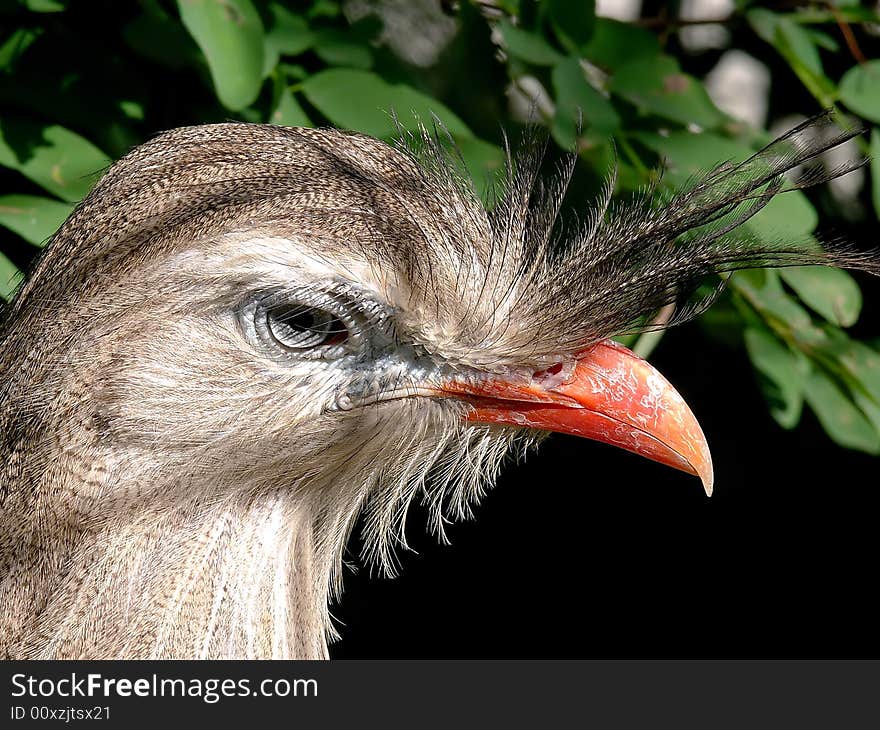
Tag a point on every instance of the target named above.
point(612, 396)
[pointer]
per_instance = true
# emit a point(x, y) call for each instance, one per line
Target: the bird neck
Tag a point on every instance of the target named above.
point(240, 577)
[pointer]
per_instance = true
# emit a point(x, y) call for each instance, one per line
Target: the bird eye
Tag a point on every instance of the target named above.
point(300, 327)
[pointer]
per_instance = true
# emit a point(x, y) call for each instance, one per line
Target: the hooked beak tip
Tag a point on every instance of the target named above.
point(612, 396)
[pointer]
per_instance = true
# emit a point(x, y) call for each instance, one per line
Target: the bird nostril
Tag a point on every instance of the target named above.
point(555, 375)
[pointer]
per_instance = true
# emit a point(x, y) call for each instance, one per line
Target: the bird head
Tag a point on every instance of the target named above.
point(263, 309)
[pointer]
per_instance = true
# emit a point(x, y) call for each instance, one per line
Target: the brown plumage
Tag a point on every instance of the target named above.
point(245, 336)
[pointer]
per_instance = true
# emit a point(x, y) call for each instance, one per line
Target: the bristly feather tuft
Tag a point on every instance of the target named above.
point(629, 259)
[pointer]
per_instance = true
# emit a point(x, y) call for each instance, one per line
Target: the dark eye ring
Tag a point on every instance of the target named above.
point(298, 327)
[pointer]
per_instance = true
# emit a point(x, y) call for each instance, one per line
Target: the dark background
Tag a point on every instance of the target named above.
point(588, 551)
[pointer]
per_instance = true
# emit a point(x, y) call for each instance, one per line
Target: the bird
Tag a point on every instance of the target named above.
point(248, 335)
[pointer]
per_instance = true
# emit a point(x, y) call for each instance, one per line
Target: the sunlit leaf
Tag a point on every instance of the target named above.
point(363, 101)
point(55, 158)
point(33, 218)
point(658, 86)
point(288, 112)
point(830, 292)
point(789, 217)
point(230, 34)
point(860, 90)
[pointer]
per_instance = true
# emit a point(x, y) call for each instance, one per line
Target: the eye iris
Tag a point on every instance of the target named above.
point(299, 327)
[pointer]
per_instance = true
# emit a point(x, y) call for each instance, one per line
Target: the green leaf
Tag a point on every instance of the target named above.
point(15, 45)
point(869, 408)
point(763, 290)
point(157, 36)
point(10, 277)
point(794, 42)
point(615, 44)
point(573, 20)
point(293, 71)
point(764, 22)
point(46, 6)
point(484, 161)
point(132, 109)
point(658, 86)
point(336, 47)
point(783, 375)
point(576, 99)
point(823, 40)
point(798, 47)
point(853, 361)
point(875, 169)
point(288, 34)
point(33, 218)
point(528, 46)
point(626, 340)
point(841, 419)
point(361, 100)
point(688, 155)
point(55, 158)
point(230, 34)
point(860, 90)
point(288, 112)
point(325, 9)
point(829, 292)
point(789, 216)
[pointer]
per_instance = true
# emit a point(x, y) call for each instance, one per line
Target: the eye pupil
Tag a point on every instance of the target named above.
point(299, 327)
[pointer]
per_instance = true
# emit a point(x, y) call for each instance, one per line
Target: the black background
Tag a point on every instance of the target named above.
point(588, 551)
